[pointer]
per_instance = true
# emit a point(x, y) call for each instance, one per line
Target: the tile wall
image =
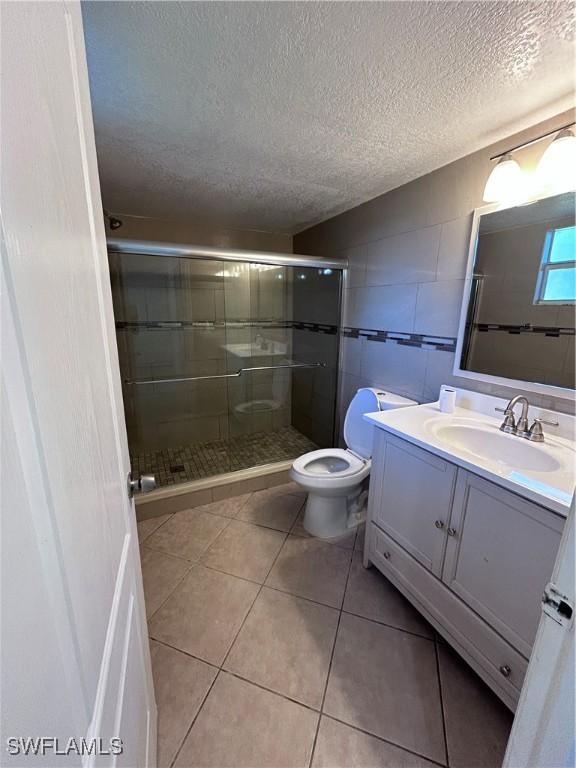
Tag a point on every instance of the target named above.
point(408, 251)
point(315, 338)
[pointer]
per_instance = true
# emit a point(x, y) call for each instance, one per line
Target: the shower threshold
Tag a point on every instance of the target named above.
point(183, 464)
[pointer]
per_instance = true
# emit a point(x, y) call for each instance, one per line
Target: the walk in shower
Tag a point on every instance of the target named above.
point(227, 362)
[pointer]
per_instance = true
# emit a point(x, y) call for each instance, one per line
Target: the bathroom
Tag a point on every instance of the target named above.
point(336, 269)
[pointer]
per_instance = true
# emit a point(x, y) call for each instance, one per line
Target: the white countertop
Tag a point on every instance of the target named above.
point(544, 472)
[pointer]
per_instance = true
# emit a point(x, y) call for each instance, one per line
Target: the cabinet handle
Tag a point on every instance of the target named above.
point(505, 670)
point(387, 555)
point(439, 524)
point(451, 531)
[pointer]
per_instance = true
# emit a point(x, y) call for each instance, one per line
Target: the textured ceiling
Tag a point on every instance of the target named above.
point(278, 115)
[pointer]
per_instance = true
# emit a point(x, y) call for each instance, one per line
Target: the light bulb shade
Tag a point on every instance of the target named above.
point(506, 183)
point(557, 167)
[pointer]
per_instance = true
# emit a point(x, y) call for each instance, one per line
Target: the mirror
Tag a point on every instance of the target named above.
point(517, 322)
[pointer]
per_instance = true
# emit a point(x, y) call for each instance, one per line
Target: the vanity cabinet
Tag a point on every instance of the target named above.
point(473, 557)
point(409, 475)
point(500, 556)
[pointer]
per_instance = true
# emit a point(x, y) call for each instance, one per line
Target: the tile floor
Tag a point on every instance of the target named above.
point(180, 464)
point(264, 643)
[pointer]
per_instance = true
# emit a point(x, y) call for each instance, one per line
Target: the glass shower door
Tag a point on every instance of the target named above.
point(212, 355)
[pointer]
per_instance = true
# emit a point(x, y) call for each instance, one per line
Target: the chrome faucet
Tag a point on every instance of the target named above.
point(509, 424)
point(520, 427)
point(263, 342)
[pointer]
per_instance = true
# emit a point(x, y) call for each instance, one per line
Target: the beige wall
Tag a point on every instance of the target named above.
point(408, 252)
point(198, 232)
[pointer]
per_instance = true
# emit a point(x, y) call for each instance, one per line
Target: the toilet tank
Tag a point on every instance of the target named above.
point(388, 400)
point(358, 433)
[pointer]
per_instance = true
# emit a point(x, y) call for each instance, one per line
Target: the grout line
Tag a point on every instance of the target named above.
point(141, 542)
point(441, 699)
point(331, 660)
point(385, 741)
point(271, 690)
point(388, 626)
point(188, 559)
point(200, 708)
point(186, 653)
point(149, 618)
point(245, 578)
point(253, 602)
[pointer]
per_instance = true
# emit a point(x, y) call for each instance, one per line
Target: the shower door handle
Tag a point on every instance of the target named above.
point(234, 375)
point(143, 484)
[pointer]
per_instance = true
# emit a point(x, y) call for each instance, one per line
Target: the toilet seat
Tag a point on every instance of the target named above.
point(334, 478)
point(329, 462)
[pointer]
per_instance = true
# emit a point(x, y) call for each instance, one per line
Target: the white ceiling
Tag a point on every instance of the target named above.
point(278, 115)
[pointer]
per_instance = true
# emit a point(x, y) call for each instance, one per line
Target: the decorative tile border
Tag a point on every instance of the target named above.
point(332, 330)
point(438, 343)
point(555, 331)
point(178, 325)
point(209, 325)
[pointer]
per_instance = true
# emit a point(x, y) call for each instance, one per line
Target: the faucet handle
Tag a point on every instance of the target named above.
point(535, 434)
point(509, 423)
point(545, 421)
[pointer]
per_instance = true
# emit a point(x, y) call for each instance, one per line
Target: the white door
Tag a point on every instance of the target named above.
point(544, 731)
point(75, 662)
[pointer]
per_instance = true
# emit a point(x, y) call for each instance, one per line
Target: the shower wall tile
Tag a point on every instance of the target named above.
point(410, 257)
point(282, 417)
point(453, 252)
point(439, 367)
point(402, 368)
point(357, 260)
point(191, 429)
point(196, 304)
point(350, 352)
point(203, 345)
point(389, 307)
point(438, 308)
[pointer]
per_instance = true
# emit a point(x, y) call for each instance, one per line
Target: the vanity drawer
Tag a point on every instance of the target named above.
point(500, 665)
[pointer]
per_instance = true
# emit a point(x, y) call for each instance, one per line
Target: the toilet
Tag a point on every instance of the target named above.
point(333, 476)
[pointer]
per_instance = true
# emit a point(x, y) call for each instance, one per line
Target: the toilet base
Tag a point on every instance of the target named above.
point(328, 517)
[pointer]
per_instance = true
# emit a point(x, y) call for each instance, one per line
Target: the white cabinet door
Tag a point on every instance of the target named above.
point(75, 657)
point(413, 499)
point(501, 556)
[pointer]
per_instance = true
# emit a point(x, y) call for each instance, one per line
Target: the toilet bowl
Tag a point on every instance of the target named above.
point(333, 477)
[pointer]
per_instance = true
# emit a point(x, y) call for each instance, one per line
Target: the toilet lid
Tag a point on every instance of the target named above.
point(358, 433)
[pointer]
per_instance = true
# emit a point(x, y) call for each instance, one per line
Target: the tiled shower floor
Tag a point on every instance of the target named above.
point(192, 462)
point(271, 649)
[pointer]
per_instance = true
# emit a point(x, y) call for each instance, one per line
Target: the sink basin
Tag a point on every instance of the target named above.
point(270, 349)
point(498, 447)
point(542, 472)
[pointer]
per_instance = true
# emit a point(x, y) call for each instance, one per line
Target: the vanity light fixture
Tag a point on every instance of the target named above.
point(556, 170)
point(506, 182)
point(557, 166)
